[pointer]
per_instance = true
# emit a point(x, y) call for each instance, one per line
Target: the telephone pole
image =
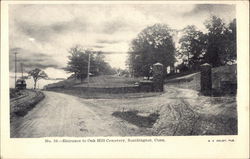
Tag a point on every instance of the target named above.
point(88, 69)
point(22, 69)
point(15, 67)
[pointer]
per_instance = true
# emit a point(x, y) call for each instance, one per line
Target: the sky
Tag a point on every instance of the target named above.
point(42, 34)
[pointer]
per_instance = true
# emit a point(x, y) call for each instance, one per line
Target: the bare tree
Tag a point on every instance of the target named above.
point(37, 74)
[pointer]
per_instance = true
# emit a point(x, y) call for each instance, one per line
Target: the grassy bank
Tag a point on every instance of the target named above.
point(96, 81)
point(22, 104)
point(82, 93)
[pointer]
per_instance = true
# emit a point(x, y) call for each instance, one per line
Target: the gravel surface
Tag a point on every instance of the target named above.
point(175, 112)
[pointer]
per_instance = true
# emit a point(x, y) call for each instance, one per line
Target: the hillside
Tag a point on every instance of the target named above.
point(96, 81)
point(190, 81)
point(109, 81)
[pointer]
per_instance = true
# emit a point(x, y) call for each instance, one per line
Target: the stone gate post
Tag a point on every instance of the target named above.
point(206, 79)
point(158, 79)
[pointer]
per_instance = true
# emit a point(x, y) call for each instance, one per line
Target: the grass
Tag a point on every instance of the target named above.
point(15, 93)
point(23, 105)
point(109, 81)
point(98, 81)
point(100, 95)
point(71, 86)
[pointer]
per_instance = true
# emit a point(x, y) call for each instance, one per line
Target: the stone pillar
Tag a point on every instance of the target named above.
point(206, 79)
point(158, 79)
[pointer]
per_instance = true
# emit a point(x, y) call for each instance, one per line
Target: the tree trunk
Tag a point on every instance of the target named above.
point(35, 84)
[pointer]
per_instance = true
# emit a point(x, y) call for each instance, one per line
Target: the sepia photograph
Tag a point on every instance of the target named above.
point(124, 79)
point(99, 70)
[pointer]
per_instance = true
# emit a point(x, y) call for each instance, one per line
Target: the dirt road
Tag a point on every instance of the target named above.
point(175, 112)
point(63, 115)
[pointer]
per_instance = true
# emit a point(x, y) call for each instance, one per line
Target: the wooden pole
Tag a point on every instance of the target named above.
point(88, 69)
point(22, 69)
point(15, 68)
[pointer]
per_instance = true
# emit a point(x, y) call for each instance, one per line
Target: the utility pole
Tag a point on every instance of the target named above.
point(15, 67)
point(22, 69)
point(88, 69)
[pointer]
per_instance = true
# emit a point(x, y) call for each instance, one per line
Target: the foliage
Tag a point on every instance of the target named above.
point(182, 67)
point(221, 42)
point(153, 44)
point(192, 47)
point(78, 62)
point(230, 53)
point(99, 66)
point(216, 47)
point(122, 72)
point(37, 74)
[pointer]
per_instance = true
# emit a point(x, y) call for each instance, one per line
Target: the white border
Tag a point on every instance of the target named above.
point(181, 147)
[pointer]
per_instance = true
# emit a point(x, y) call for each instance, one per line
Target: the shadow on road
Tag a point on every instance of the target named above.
point(134, 118)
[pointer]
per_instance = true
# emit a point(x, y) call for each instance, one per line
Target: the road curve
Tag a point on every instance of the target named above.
point(182, 112)
point(61, 115)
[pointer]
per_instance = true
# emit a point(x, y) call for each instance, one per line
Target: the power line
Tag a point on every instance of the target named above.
point(115, 52)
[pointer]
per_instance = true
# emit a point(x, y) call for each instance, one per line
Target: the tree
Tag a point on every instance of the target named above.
point(153, 44)
point(37, 74)
point(192, 47)
point(215, 41)
point(99, 66)
point(230, 54)
point(221, 41)
point(78, 62)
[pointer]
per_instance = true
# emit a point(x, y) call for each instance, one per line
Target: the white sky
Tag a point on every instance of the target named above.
point(44, 33)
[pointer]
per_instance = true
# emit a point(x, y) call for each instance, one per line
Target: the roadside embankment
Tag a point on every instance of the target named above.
point(20, 105)
point(105, 93)
point(220, 75)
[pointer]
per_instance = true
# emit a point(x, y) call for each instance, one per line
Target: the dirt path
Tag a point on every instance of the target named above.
point(63, 115)
point(178, 112)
